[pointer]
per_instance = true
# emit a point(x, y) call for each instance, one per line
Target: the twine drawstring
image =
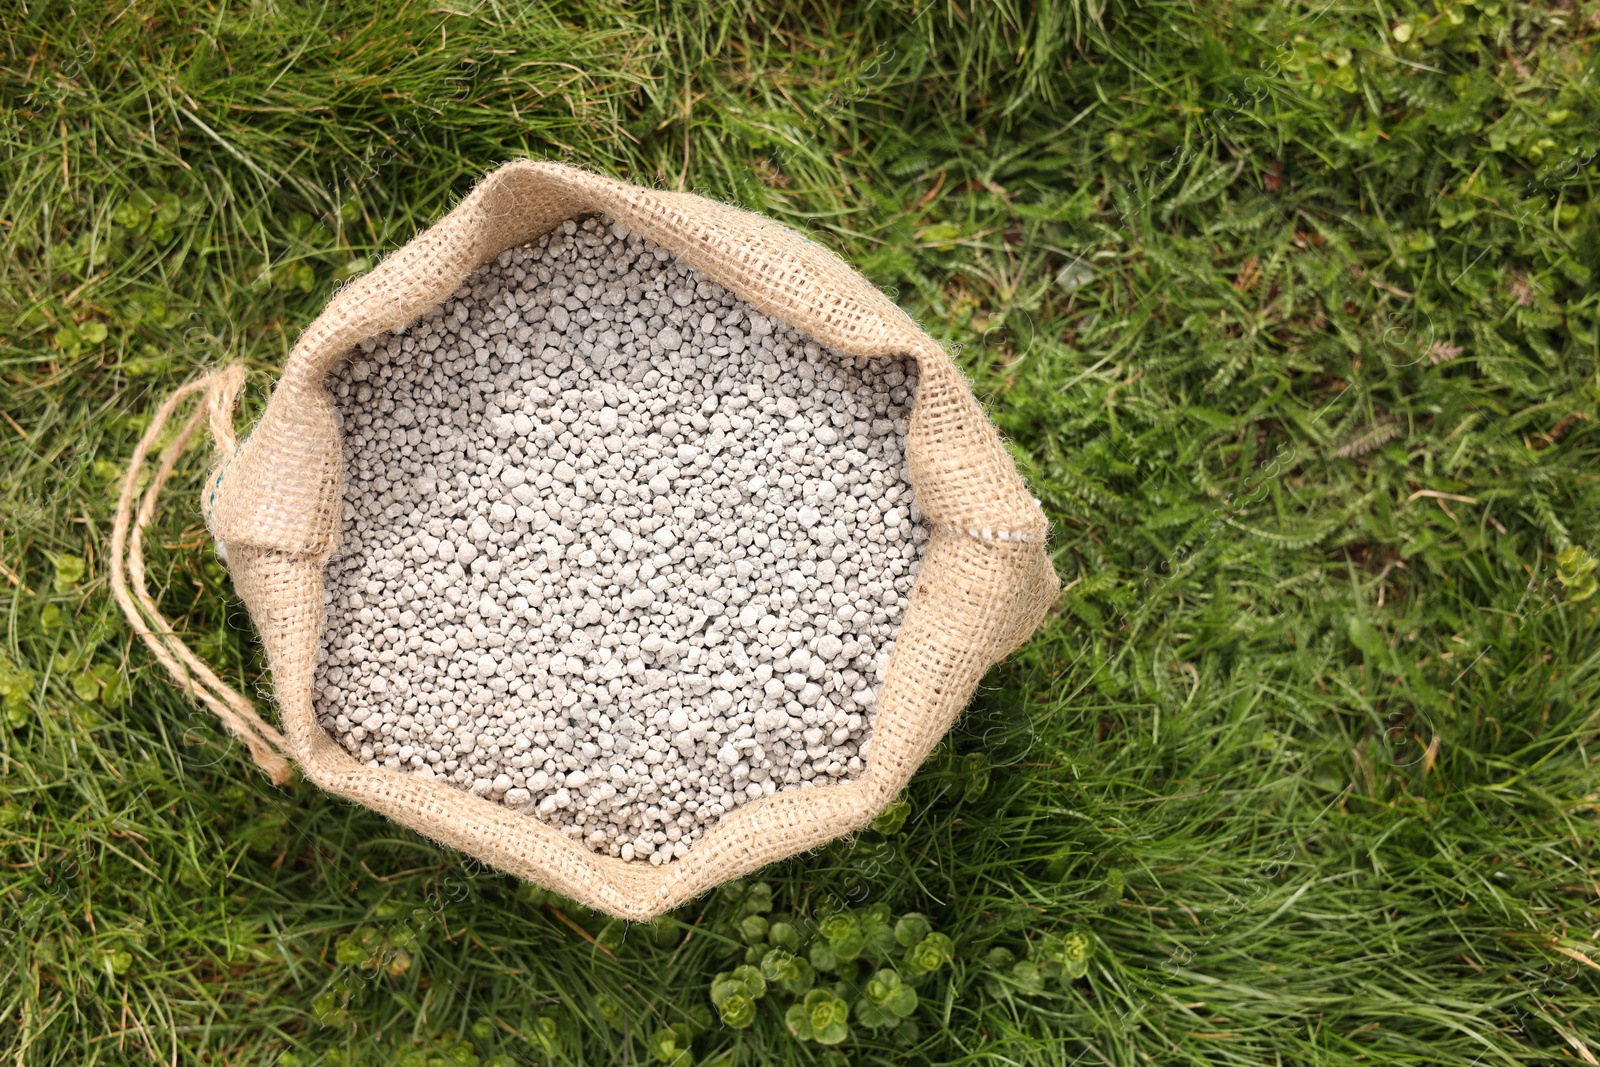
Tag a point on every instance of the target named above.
point(237, 713)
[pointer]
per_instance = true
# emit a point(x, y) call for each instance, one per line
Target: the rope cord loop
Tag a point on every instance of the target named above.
point(219, 390)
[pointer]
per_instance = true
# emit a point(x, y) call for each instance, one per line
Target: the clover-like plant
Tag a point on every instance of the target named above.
point(929, 954)
point(362, 947)
point(734, 995)
point(893, 817)
point(885, 1000)
point(877, 932)
point(670, 1046)
point(16, 689)
point(1065, 955)
point(546, 1034)
point(842, 939)
point(1576, 569)
point(791, 973)
point(1007, 973)
point(911, 928)
point(823, 1017)
point(889, 957)
point(331, 1007)
point(70, 569)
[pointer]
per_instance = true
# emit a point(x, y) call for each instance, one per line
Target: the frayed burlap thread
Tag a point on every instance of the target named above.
point(275, 504)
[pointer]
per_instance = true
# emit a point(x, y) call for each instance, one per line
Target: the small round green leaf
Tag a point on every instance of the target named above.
point(753, 928)
point(911, 928)
point(798, 1020)
point(754, 982)
point(892, 818)
point(784, 935)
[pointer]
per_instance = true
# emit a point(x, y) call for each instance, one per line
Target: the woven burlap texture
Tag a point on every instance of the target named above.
point(275, 506)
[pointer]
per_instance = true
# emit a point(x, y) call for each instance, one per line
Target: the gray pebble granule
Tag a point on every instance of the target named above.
point(618, 551)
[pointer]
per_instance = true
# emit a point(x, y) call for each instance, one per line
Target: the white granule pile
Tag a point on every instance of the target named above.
point(618, 551)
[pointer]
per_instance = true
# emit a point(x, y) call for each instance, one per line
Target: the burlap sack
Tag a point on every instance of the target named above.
point(275, 503)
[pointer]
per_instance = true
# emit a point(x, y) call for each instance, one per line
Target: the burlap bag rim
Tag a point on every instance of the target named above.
point(275, 506)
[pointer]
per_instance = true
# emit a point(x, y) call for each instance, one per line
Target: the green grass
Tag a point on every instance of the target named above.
point(1292, 324)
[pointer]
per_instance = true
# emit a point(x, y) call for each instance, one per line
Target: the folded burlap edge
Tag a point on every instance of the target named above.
point(276, 502)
